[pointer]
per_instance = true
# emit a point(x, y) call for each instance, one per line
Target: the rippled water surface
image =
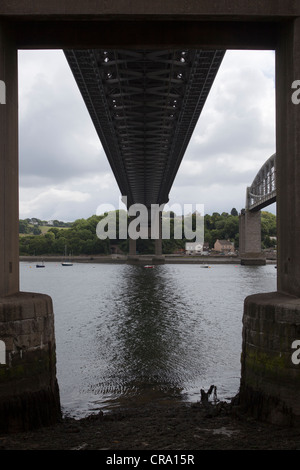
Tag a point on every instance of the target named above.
point(126, 334)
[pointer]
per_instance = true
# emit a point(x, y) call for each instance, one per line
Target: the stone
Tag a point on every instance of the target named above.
point(270, 380)
point(29, 393)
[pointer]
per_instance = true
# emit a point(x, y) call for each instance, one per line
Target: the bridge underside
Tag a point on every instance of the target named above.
point(264, 203)
point(144, 105)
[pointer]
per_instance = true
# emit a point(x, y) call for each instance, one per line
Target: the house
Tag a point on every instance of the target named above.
point(224, 246)
point(193, 248)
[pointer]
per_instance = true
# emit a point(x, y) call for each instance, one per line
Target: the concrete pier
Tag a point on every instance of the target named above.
point(270, 368)
point(250, 238)
point(28, 386)
point(9, 168)
point(152, 231)
point(288, 160)
point(270, 380)
point(132, 247)
point(29, 395)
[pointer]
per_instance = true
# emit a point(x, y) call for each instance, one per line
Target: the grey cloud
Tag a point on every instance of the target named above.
point(57, 138)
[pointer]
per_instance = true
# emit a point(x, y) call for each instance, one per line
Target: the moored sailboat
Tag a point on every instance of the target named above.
point(66, 261)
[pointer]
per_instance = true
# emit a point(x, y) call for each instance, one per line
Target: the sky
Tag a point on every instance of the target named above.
point(64, 173)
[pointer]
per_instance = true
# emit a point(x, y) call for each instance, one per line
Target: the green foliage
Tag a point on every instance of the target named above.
point(81, 238)
point(226, 227)
point(268, 229)
point(23, 226)
point(222, 227)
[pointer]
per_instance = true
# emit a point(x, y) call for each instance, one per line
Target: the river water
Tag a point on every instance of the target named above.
point(126, 334)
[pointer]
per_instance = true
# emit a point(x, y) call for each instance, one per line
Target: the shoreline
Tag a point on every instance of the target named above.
point(140, 259)
point(175, 427)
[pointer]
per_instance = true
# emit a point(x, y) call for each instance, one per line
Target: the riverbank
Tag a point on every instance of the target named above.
point(160, 427)
point(144, 259)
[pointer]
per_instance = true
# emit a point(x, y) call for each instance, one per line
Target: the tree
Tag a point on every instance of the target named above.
point(81, 237)
point(234, 212)
point(23, 226)
point(55, 231)
point(231, 227)
point(268, 224)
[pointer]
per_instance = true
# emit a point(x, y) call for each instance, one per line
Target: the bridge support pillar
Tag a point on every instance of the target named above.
point(288, 161)
point(270, 380)
point(132, 247)
point(132, 257)
point(250, 238)
point(270, 375)
point(158, 254)
point(29, 394)
point(158, 241)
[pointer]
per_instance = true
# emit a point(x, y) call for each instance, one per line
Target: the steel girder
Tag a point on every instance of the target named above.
point(262, 191)
point(144, 105)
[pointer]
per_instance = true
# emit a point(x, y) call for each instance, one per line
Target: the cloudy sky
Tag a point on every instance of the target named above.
point(64, 173)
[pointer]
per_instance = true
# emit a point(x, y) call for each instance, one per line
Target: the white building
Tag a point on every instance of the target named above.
point(193, 248)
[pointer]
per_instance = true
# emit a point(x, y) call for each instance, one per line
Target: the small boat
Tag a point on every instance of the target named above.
point(149, 266)
point(65, 262)
point(40, 265)
point(204, 266)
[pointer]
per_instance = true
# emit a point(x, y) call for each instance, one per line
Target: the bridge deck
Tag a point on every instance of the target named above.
point(145, 105)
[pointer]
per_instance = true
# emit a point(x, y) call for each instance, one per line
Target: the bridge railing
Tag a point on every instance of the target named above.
point(262, 191)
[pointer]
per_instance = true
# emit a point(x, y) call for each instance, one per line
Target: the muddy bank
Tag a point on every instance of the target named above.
point(220, 426)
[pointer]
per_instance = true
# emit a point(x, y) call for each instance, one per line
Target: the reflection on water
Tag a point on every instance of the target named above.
point(128, 334)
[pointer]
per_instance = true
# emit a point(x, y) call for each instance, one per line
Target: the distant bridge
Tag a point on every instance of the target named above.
point(262, 191)
point(260, 194)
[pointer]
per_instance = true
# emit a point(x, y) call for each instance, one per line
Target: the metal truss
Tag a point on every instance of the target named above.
point(262, 191)
point(144, 105)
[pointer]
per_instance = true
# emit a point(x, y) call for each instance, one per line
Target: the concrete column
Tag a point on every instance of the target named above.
point(252, 232)
point(250, 238)
point(29, 394)
point(158, 241)
point(288, 160)
point(132, 257)
point(271, 329)
point(242, 232)
point(132, 247)
point(9, 184)
point(270, 358)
